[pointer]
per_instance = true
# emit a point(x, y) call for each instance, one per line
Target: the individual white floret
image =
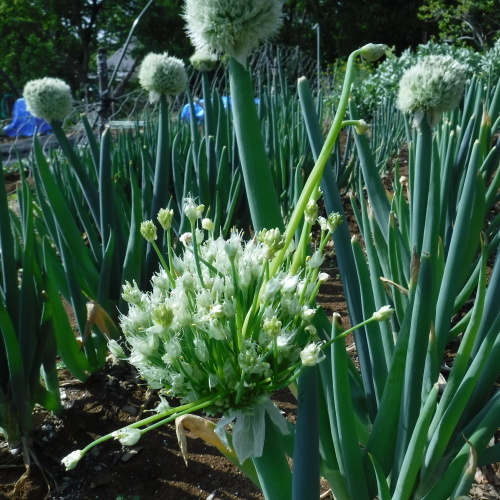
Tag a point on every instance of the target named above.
point(70, 461)
point(127, 436)
point(311, 354)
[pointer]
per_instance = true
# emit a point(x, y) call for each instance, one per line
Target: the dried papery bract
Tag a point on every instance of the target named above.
point(161, 74)
point(232, 27)
point(48, 98)
point(431, 87)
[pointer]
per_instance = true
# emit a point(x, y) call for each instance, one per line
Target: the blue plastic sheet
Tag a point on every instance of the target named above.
point(24, 123)
point(200, 111)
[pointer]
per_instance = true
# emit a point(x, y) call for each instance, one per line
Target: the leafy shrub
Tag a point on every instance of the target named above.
point(373, 84)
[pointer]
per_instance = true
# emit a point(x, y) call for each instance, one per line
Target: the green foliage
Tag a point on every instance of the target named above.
point(28, 319)
point(429, 270)
point(61, 39)
point(465, 22)
point(345, 26)
point(384, 80)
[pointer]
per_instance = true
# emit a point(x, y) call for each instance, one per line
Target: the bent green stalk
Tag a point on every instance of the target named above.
point(159, 419)
point(314, 179)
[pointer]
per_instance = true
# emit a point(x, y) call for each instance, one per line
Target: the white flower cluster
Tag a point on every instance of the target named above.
point(48, 98)
point(231, 332)
point(434, 85)
point(162, 74)
point(232, 27)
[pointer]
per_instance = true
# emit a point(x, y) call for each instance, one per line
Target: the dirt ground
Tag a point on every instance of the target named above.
point(154, 468)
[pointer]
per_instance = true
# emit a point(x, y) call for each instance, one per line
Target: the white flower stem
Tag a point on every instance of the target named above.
point(170, 415)
point(195, 253)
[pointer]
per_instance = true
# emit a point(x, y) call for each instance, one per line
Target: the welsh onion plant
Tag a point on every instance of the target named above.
point(29, 317)
point(228, 322)
point(348, 418)
point(234, 28)
point(425, 255)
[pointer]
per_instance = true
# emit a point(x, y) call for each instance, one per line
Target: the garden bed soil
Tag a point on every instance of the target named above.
point(154, 468)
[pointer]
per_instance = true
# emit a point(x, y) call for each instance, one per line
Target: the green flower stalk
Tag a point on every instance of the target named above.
point(427, 90)
point(48, 98)
point(431, 87)
point(161, 74)
point(232, 27)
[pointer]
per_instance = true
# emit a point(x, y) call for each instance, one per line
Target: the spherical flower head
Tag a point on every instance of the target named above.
point(431, 87)
point(148, 230)
point(232, 27)
point(203, 60)
point(48, 98)
point(72, 459)
point(162, 74)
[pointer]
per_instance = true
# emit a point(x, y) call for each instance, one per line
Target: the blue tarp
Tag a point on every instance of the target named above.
point(200, 111)
point(24, 123)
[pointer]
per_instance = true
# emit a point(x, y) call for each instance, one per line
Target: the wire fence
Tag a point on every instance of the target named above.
point(274, 65)
point(271, 65)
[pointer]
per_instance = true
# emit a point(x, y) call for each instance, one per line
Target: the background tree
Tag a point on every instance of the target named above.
point(467, 22)
point(346, 25)
point(60, 37)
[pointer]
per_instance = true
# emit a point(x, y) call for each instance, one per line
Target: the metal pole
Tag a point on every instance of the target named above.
point(104, 90)
point(318, 56)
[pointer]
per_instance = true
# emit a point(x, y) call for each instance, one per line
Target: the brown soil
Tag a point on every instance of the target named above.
point(154, 468)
